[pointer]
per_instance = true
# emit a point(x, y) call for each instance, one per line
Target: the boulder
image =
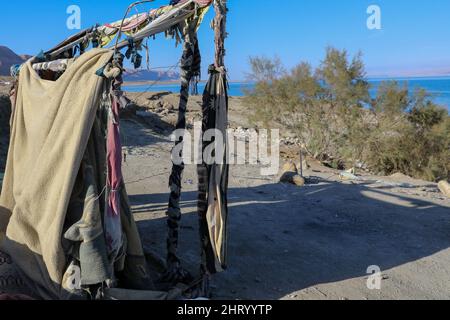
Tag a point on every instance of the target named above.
point(287, 177)
point(293, 178)
point(290, 175)
point(347, 176)
point(444, 186)
point(289, 167)
point(298, 180)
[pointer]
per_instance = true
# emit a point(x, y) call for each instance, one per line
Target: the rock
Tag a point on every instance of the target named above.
point(158, 105)
point(293, 178)
point(444, 186)
point(351, 171)
point(346, 176)
point(288, 177)
point(298, 180)
point(362, 166)
point(168, 106)
point(289, 167)
point(400, 176)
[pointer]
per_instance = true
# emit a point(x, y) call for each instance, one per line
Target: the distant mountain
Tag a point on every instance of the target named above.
point(139, 75)
point(9, 58)
point(25, 57)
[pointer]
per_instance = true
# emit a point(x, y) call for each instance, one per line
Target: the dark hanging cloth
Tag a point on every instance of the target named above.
point(190, 68)
point(213, 179)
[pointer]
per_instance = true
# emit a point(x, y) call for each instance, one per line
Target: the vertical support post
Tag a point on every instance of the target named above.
point(301, 162)
point(220, 31)
point(190, 62)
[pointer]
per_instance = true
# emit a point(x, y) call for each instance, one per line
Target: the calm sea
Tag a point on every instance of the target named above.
point(438, 87)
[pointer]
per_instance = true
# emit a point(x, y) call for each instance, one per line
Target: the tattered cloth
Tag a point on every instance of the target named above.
point(50, 131)
point(213, 179)
point(50, 212)
point(201, 3)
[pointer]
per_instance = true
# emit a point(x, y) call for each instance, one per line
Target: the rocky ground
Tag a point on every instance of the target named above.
point(289, 242)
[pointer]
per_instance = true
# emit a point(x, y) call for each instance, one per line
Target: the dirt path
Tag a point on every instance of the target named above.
point(314, 242)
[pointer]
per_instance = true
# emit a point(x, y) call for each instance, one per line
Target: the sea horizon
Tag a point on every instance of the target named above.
point(437, 86)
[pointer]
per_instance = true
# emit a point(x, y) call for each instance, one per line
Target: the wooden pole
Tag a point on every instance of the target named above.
point(301, 162)
point(220, 31)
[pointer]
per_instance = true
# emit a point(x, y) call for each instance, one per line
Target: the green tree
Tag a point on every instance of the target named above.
point(346, 92)
point(331, 112)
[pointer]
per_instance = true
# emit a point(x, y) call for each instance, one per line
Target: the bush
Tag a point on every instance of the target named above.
point(331, 112)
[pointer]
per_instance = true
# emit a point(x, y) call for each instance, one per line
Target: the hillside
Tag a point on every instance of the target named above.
point(9, 58)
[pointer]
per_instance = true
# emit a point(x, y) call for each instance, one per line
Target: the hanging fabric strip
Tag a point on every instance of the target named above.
point(190, 62)
point(139, 26)
point(113, 225)
point(130, 26)
point(213, 178)
point(213, 175)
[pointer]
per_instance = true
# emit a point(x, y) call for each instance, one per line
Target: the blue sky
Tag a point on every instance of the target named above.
point(414, 39)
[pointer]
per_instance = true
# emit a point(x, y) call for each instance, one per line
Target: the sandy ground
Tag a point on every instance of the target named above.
point(288, 242)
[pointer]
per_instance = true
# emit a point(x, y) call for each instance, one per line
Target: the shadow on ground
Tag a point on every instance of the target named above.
point(283, 239)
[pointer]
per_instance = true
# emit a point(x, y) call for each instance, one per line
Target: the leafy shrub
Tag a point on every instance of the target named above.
point(331, 112)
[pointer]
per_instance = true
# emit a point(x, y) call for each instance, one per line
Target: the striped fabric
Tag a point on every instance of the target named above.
point(213, 179)
point(201, 3)
point(190, 68)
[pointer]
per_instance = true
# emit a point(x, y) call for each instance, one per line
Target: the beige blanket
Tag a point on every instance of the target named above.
point(50, 131)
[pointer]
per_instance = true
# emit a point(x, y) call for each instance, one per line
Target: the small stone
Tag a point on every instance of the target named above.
point(351, 171)
point(298, 180)
point(292, 177)
point(346, 176)
point(444, 186)
point(288, 177)
point(289, 167)
point(168, 106)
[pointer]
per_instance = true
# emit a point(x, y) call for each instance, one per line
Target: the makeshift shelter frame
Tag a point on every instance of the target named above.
point(213, 179)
